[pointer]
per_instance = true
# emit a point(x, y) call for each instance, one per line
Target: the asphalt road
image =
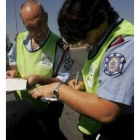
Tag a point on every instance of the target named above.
point(69, 118)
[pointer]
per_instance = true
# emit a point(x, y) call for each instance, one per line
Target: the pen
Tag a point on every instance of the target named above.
point(77, 77)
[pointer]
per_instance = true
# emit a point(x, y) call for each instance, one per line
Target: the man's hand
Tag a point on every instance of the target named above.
point(80, 85)
point(32, 80)
point(11, 74)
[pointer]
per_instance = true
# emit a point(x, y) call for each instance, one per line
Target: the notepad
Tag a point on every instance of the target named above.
point(16, 84)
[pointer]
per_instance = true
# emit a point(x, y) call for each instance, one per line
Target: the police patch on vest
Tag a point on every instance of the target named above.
point(114, 64)
point(46, 61)
point(68, 64)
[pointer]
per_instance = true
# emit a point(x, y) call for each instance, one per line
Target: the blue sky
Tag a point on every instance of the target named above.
point(125, 9)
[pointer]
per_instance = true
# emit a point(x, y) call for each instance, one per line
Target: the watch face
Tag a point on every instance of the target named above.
point(55, 94)
point(56, 91)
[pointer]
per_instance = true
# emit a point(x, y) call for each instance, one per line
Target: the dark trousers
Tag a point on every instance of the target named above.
point(49, 121)
point(20, 120)
point(22, 123)
point(121, 129)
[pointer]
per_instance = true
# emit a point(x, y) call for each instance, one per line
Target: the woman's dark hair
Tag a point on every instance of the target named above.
point(77, 17)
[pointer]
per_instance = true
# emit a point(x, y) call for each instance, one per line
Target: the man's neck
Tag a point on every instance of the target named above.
point(34, 44)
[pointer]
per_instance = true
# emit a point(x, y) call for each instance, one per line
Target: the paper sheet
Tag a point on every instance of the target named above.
point(20, 84)
point(16, 84)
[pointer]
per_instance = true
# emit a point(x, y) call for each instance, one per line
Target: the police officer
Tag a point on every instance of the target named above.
point(39, 56)
point(105, 97)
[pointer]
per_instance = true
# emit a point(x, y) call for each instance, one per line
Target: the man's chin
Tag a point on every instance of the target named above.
point(39, 39)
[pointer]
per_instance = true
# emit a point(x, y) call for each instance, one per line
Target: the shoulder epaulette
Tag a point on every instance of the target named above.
point(63, 45)
point(117, 41)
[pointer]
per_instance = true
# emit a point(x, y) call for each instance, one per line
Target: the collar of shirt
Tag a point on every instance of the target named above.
point(27, 41)
point(109, 28)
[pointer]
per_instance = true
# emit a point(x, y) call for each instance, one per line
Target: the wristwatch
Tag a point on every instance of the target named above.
point(56, 91)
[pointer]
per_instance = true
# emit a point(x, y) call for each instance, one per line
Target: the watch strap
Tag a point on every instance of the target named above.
point(56, 90)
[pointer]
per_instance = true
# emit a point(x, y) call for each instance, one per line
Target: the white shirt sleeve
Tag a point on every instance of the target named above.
point(12, 55)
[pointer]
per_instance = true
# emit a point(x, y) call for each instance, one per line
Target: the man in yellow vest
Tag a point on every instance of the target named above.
point(105, 97)
point(41, 57)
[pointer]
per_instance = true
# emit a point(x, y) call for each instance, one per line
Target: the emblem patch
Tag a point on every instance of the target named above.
point(46, 61)
point(68, 64)
point(114, 64)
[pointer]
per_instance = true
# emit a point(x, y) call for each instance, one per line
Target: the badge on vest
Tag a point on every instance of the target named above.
point(46, 61)
point(68, 64)
point(114, 64)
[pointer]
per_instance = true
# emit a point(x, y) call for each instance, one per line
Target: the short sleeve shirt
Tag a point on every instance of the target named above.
point(120, 86)
point(64, 73)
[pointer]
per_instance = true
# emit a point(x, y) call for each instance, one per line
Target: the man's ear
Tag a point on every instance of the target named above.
point(46, 16)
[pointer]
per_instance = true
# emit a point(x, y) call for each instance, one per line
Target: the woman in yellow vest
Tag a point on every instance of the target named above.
point(107, 90)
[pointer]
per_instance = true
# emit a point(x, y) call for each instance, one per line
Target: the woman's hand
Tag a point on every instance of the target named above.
point(77, 85)
point(44, 91)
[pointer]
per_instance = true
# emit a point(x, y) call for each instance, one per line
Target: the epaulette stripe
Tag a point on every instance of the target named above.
point(119, 40)
point(62, 44)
